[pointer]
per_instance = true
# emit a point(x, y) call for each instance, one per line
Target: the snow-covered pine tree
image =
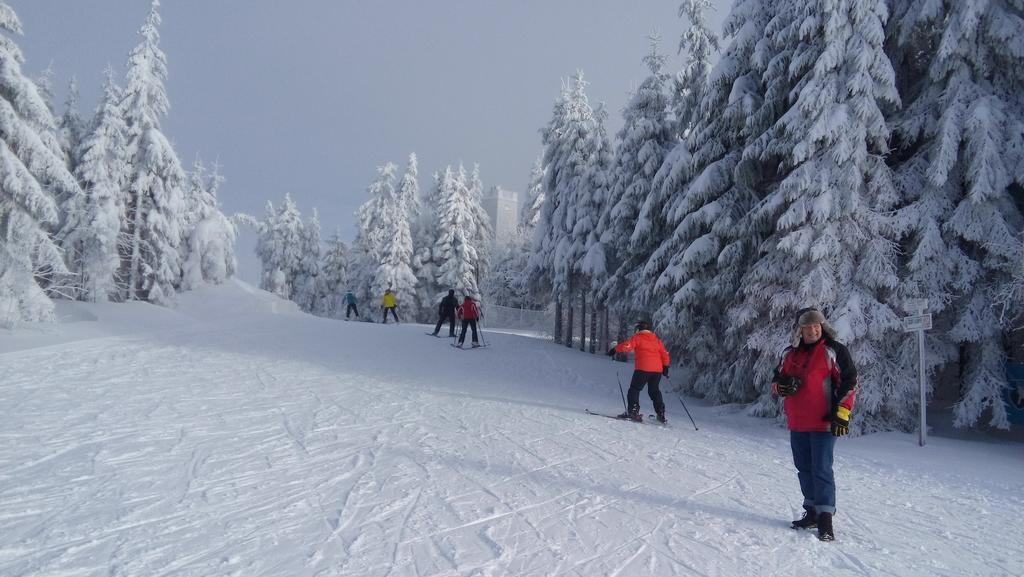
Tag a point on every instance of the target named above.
point(568, 147)
point(34, 176)
point(156, 178)
point(425, 237)
point(699, 44)
point(479, 232)
point(642, 144)
point(304, 280)
point(415, 301)
point(272, 277)
point(832, 246)
point(92, 225)
point(395, 270)
point(454, 254)
point(371, 236)
point(591, 198)
point(289, 244)
point(209, 250)
point(961, 156)
point(332, 282)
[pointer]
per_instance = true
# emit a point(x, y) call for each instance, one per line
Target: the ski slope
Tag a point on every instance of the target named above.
point(234, 436)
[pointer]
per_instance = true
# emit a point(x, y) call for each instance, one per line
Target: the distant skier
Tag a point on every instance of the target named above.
point(650, 361)
point(350, 302)
point(387, 302)
point(446, 312)
point(469, 313)
point(818, 380)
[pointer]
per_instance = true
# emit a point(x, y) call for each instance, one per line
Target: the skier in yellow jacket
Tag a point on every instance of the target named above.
point(388, 304)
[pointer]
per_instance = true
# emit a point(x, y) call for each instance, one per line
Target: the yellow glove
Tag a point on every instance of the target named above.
point(841, 422)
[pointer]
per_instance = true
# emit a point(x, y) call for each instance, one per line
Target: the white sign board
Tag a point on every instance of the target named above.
point(916, 306)
point(917, 323)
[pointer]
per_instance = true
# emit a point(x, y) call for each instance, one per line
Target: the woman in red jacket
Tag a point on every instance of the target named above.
point(818, 380)
point(650, 361)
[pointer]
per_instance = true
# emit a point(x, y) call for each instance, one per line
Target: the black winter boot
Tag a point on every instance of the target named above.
point(809, 520)
point(661, 417)
point(825, 527)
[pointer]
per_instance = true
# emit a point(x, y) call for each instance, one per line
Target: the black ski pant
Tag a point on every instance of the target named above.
point(637, 384)
point(450, 317)
point(469, 323)
point(393, 313)
point(351, 308)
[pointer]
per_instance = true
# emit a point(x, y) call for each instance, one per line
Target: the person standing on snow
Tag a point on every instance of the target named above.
point(650, 361)
point(388, 304)
point(350, 302)
point(446, 312)
point(469, 313)
point(818, 380)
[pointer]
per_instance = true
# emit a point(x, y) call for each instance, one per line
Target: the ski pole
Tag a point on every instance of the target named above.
point(480, 321)
point(619, 378)
point(680, 397)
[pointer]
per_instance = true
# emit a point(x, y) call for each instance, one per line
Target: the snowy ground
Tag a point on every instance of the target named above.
point(234, 437)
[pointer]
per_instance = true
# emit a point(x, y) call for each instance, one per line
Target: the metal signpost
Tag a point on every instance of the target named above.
point(919, 321)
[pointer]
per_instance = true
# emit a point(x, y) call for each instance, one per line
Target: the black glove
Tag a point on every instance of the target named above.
point(841, 422)
point(611, 351)
point(786, 385)
point(664, 371)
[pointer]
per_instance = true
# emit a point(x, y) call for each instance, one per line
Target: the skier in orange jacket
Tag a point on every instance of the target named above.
point(650, 361)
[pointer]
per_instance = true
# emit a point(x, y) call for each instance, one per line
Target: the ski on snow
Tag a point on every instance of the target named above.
point(627, 419)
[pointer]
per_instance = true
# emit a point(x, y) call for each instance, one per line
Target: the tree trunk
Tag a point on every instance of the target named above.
point(134, 264)
point(558, 320)
point(583, 321)
point(593, 327)
point(605, 336)
point(569, 320)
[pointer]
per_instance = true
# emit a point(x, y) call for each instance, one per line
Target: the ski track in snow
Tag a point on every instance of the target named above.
point(285, 445)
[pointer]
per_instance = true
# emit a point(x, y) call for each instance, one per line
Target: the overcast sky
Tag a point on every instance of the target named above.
point(308, 97)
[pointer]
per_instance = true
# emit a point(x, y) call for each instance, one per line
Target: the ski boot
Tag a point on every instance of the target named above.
point(661, 418)
point(809, 520)
point(633, 415)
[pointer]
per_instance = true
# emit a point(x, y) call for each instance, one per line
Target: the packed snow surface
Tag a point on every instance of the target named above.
point(235, 436)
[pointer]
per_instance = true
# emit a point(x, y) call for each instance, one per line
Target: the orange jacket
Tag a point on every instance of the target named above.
point(650, 355)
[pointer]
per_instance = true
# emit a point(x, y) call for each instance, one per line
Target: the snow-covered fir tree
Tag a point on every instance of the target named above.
point(209, 250)
point(699, 44)
point(304, 281)
point(34, 177)
point(455, 255)
point(416, 301)
point(425, 237)
point(332, 281)
point(960, 144)
point(646, 136)
point(92, 225)
point(156, 178)
point(569, 145)
point(829, 246)
point(371, 236)
point(478, 229)
point(71, 128)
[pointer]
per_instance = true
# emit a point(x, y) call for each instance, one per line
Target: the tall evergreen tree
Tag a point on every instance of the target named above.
point(92, 229)
point(643, 142)
point(960, 141)
point(307, 269)
point(156, 178)
point(333, 279)
point(35, 176)
point(455, 255)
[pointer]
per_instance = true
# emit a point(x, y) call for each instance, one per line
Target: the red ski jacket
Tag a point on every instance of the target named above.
point(650, 355)
point(468, 310)
point(829, 380)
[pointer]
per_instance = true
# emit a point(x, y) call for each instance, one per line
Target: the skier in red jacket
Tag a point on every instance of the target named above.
point(469, 313)
point(818, 380)
point(650, 361)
